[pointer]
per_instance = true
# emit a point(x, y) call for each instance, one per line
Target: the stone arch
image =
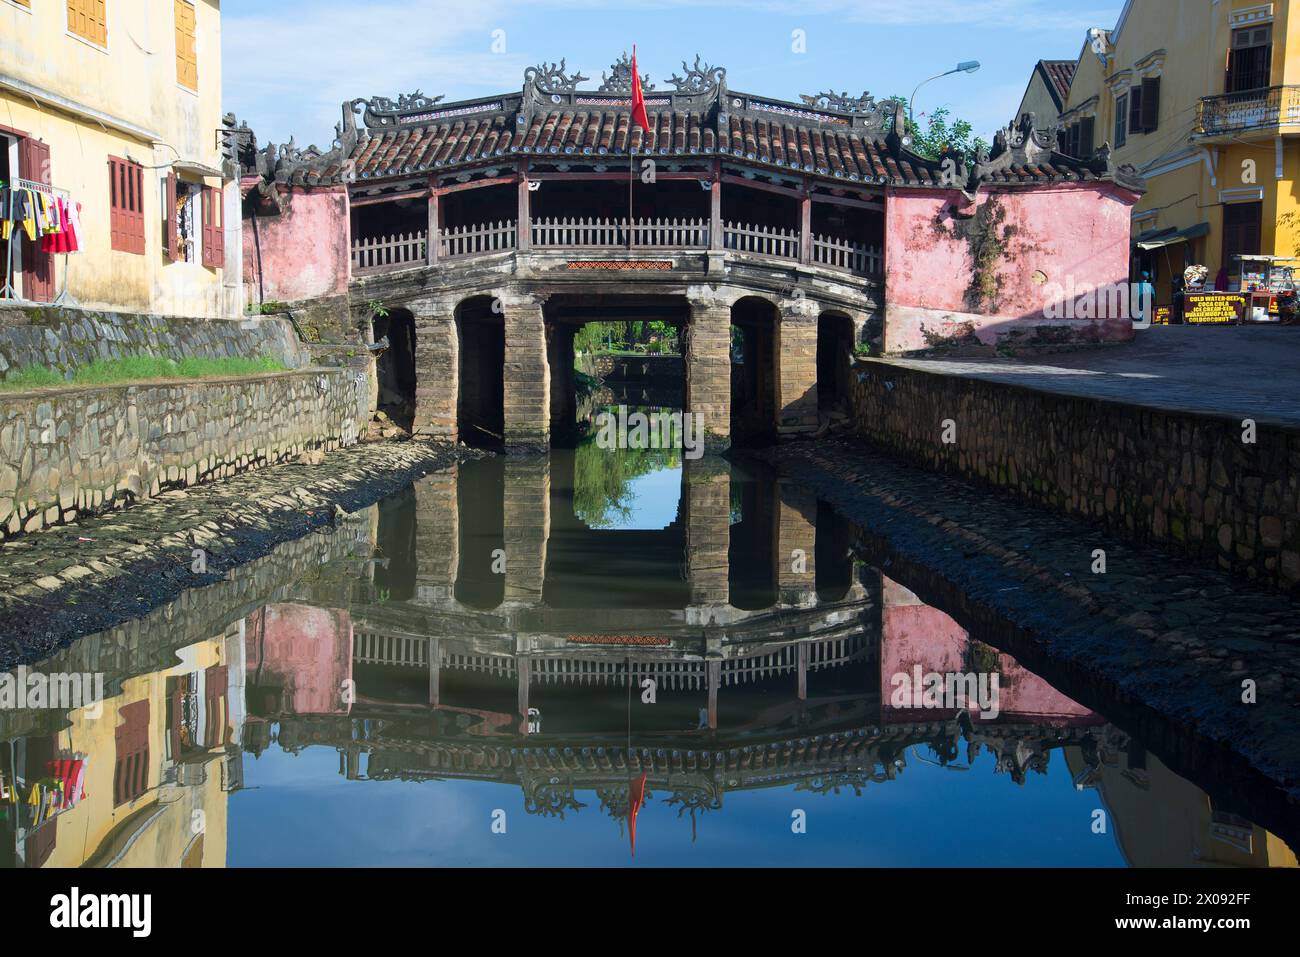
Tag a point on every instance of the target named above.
point(395, 365)
point(835, 341)
point(480, 398)
point(755, 369)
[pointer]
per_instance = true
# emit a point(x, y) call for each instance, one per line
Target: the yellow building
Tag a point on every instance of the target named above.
point(161, 757)
point(1201, 97)
point(117, 103)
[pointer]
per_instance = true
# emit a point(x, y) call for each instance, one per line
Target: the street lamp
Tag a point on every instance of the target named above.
point(966, 66)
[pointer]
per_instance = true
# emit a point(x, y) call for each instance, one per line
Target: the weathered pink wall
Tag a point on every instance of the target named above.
point(304, 253)
point(1049, 235)
point(914, 633)
point(308, 649)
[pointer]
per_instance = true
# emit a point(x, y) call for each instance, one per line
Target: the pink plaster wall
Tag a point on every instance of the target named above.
point(305, 252)
point(1051, 235)
point(914, 633)
point(308, 649)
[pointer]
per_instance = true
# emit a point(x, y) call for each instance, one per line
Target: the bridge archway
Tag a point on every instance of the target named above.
point(834, 362)
point(481, 352)
point(395, 367)
point(630, 343)
point(755, 375)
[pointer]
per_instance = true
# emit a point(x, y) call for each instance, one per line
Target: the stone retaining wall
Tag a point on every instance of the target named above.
point(1186, 482)
point(64, 339)
point(67, 452)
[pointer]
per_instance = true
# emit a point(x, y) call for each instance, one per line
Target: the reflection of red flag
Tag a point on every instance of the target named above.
point(635, 793)
point(638, 97)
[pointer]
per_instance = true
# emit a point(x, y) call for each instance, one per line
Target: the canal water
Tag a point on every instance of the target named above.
point(515, 661)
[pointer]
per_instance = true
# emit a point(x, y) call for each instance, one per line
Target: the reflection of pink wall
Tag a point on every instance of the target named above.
point(1078, 230)
point(914, 633)
point(303, 253)
point(308, 650)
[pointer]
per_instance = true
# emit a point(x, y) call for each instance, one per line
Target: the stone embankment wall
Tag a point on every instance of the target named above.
point(63, 339)
point(67, 452)
point(1185, 482)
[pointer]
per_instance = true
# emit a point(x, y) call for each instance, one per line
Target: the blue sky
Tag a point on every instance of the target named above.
point(288, 66)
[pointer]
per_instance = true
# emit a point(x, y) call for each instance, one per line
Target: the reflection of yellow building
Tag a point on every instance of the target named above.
point(157, 778)
point(1200, 98)
point(1163, 820)
point(118, 103)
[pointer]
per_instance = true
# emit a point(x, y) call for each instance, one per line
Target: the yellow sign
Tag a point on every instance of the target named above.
point(1213, 308)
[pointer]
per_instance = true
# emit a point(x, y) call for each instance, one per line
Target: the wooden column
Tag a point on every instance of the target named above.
point(431, 244)
point(803, 671)
point(715, 207)
point(525, 218)
point(715, 679)
point(805, 226)
point(435, 671)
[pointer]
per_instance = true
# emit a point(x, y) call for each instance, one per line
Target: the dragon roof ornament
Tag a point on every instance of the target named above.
point(619, 78)
point(701, 78)
point(551, 78)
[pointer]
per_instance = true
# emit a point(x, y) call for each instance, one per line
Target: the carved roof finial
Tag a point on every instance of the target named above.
point(699, 78)
point(551, 78)
point(619, 78)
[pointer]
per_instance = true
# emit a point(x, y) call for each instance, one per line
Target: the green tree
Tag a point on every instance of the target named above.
point(941, 133)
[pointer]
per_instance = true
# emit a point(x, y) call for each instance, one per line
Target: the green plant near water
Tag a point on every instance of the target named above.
point(139, 369)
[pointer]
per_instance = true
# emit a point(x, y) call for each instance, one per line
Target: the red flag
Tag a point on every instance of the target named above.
point(635, 796)
point(638, 98)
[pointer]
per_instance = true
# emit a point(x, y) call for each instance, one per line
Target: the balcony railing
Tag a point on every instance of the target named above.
point(388, 252)
point(598, 233)
point(480, 240)
point(408, 250)
point(1248, 110)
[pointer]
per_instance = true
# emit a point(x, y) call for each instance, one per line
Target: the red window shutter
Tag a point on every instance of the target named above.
point(38, 266)
point(137, 216)
point(173, 247)
point(213, 233)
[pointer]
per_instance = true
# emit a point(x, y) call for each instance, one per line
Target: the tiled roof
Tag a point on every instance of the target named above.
point(831, 136)
point(1059, 74)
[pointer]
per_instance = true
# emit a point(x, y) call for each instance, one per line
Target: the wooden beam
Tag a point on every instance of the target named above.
point(432, 240)
point(620, 177)
point(790, 191)
point(475, 184)
point(356, 201)
point(846, 201)
point(524, 217)
point(805, 226)
point(715, 206)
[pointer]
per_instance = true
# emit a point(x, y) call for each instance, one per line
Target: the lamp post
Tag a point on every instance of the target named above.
point(966, 66)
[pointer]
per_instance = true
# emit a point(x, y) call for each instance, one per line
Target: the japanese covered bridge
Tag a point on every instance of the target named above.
point(477, 236)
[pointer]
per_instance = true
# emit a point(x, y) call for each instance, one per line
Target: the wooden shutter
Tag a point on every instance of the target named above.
point(1087, 137)
point(214, 234)
point(1150, 105)
point(126, 205)
point(1135, 110)
point(38, 266)
point(169, 223)
point(187, 61)
point(88, 19)
point(131, 768)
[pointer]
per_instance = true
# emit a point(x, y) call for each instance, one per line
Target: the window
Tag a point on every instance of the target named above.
point(1121, 121)
point(126, 205)
point(131, 768)
point(214, 236)
point(179, 218)
point(88, 20)
point(1241, 233)
point(187, 58)
point(1250, 59)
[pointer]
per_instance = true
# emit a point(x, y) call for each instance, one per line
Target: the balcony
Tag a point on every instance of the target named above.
point(1265, 109)
point(408, 250)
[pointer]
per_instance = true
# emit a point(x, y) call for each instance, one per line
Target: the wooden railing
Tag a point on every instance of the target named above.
point(477, 240)
point(410, 249)
point(388, 252)
point(769, 241)
point(601, 233)
point(858, 258)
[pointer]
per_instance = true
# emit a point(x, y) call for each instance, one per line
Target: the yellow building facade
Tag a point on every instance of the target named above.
point(117, 105)
point(1201, 96)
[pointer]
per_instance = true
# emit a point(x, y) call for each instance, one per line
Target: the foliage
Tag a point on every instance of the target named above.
point(941, 133)
point(636, 337)
point(601, 479)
